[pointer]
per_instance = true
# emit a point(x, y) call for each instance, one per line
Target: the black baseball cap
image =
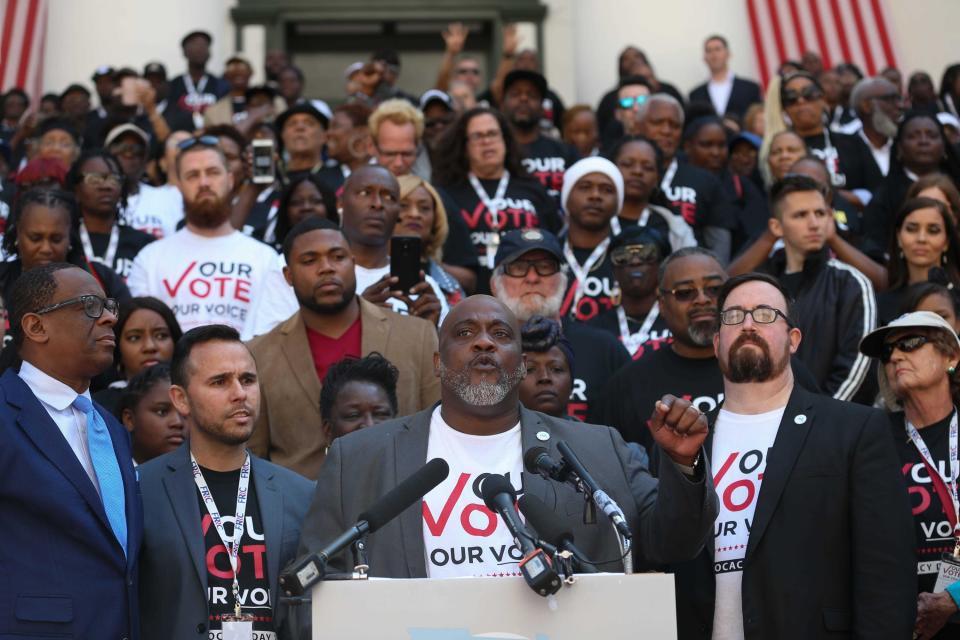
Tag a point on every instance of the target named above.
point(514, 244)
point(303, 107)
point(196, 34)
point(641, 235)
point(435, 95)
point(258, 89)
point(155, 69)
point(530, 76)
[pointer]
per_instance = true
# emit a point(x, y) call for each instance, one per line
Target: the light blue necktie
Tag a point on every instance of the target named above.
point(107, 469)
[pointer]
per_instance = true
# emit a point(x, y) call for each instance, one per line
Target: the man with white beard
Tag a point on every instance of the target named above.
point(527, 278)
point(879, 105)
point(480, 428)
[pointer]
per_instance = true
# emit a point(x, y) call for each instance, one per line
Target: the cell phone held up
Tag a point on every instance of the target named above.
point(405, 252)
point(264, 167)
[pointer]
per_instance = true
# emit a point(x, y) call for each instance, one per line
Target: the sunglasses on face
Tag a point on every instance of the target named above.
point(93, 306)
point(809, 93)
point(520, 268)
point(629, 103)
point(689, 294)
point(100, 179)
point(760, 315)
point(906, 344)
point(208, 141)
point(634, 255)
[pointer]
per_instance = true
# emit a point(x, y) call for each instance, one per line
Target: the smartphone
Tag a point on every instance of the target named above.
point(405, 261)
point(264, 167)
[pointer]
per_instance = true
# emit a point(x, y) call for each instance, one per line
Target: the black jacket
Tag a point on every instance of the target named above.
point(834, 307)
point(744, 93)
point(830, 551)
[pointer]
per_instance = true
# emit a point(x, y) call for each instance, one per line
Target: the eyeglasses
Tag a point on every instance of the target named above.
point(634, 254)
point(906, 344)
point(207, 141)
point(93, 306)
point(520, 268)
point(391, 155)
point(889, 97)
point(484, 136)
point(629, 103)
point(760, 315)
point(101, 179)
point(468, 71)
point(808, 93)
point(689, 294)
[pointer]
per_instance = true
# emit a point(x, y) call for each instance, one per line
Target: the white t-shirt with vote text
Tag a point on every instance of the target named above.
point(461, 537)
point(232, 280)
point(741, 444)
point(154, 210)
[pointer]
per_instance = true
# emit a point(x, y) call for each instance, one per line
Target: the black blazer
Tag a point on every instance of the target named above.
point(830, 553)
point(744, 93)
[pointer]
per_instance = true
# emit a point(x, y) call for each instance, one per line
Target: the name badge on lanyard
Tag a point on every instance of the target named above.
point(493, 238)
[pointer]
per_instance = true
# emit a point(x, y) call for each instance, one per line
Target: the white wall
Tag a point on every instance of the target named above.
point(582, 38)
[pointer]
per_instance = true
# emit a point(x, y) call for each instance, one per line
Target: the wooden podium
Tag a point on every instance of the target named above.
point(608, 606)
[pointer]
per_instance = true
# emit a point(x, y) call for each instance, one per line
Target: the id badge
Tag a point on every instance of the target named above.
point(949, 572)
point(237, 627)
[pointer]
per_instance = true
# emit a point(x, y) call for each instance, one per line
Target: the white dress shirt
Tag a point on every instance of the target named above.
point(720, 93)
point(57, 398)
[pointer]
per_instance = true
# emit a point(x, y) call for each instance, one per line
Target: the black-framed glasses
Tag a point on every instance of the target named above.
point(520, 268)
point(207, 141)
point(689, 293)
point(906, 344)
point(635, 254)
point(93, 306)
point(808, 93)
point(632, 101)
point(760, 315)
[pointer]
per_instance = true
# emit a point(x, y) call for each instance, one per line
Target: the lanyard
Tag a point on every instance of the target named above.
point(632, 341)
point(238, 519)
point(946, 485)
point(615, 226)
point(494, 240)
point(668, 176)
point(194, 89)
point(111, 253)
point(581, 273)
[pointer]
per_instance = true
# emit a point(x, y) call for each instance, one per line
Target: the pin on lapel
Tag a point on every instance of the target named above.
point(543, 436)
point(800, 419)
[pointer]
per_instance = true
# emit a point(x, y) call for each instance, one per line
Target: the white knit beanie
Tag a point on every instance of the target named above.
point(593, 164)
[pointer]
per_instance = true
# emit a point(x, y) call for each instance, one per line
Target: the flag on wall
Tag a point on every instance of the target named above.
point(23, 31)
point(839, 30)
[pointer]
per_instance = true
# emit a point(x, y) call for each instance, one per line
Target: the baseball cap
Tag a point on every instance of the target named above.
point(351, 69)
point(101, 71)
point(435, 95)
point(128, 127)
point(155, 69)
point(641, 235)
point(872, 343)
point(260, 88)
point(948, 120)
point(517, 242)
point(303, 107)
point(752, 139)
point(530, 76)
point(194, 34)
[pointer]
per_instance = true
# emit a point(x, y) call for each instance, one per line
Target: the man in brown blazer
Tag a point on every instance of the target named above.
point(333, 322)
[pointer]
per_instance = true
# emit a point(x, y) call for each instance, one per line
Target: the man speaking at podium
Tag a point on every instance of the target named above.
point(480, 428)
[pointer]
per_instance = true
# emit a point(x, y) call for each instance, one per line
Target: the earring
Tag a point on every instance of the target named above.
point(951, 370)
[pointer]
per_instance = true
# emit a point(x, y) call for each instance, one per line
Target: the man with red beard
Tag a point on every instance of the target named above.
point(814, 537)
point(208, 272)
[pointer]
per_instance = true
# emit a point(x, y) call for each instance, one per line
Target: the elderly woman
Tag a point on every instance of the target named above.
point(919, 354)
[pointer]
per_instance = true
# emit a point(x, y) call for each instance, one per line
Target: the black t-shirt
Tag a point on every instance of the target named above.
point(255, 596)
point(843, 156)
point(752, 212)
point(637, 344)
point(596, 355)
point(129, 244)
point(696, 195)
point(263, 211)
point(598, 292)
point(546, 160)
point(879, 214)
point(526, 205)
point(934, 534)
point(208, 91)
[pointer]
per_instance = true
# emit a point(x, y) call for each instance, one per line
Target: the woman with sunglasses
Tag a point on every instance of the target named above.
point(920, 149)
point(98, 186)
point(919, 354)
point(636, 321)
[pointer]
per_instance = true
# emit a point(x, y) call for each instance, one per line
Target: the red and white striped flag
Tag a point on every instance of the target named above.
point(23, 32)
point(839, 30)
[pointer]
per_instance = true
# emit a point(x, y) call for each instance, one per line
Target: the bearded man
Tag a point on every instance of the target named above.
point(208, 272)
point(480, 428)
point(814, 534)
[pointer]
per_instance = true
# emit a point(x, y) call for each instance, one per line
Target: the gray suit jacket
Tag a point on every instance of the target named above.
point(671, 519)
point(173, 573)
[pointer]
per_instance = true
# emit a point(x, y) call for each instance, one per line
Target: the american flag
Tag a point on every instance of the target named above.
point(839, 30)
point(23, 32)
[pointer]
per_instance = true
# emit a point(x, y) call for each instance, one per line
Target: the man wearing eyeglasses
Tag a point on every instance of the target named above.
point(879, 106)
point(69, 502)
point(814, 538)
point(835, 302)
point(632, 92)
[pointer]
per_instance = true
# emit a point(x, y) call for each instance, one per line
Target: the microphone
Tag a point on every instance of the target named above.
point(551, 529)
point(571, 470)
point(499, 496)
point(310, 569)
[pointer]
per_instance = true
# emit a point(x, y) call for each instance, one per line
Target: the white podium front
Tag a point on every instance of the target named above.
point(608, 606)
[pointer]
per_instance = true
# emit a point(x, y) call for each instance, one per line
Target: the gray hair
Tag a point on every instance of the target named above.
point(664, 98)
point(685, 252)
point(860, 89)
